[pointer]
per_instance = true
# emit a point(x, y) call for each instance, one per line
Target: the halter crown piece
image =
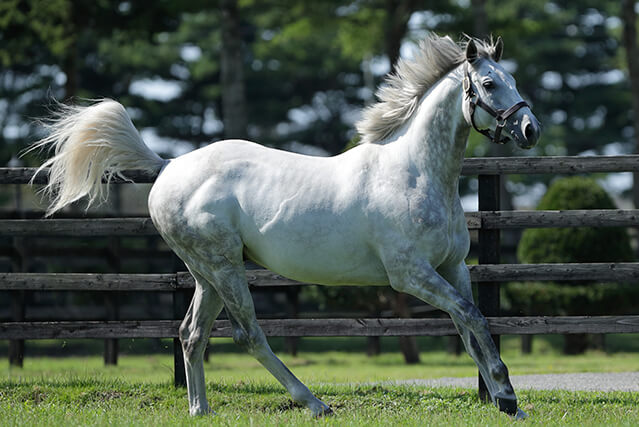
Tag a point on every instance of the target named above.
point(500, 116)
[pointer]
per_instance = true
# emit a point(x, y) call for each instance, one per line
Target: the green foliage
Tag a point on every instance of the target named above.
point(552, 299)
point(573, 245)
point(306, 64)
point(583, 244)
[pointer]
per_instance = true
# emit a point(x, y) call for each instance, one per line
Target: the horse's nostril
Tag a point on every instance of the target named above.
point(529, 131)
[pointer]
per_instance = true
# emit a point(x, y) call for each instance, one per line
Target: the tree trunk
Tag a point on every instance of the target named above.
point(454, 345)
point(232, 73)
point(629, 18)
point(408, 345)
point(526, 344)
point(480, 22)
point(70, 58)
point(575, 343)
point(398, 13)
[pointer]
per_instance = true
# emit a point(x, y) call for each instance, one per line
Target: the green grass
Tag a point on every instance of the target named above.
point(79, 390)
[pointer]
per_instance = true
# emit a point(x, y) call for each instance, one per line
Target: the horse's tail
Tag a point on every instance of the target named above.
point(90, 143)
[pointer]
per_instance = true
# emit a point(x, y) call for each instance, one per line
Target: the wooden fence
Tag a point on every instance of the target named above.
point(488, 274)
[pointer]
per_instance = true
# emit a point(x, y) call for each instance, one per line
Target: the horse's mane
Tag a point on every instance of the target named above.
point(403, 88)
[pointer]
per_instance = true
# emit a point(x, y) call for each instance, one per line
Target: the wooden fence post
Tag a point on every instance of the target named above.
point(293, 308)
point(112, 299)
point(19, 264)
point(179, 373)
point(488, 292)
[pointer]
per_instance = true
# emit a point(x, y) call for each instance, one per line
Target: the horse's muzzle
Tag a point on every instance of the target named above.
point(530, 131)
point(526, 131)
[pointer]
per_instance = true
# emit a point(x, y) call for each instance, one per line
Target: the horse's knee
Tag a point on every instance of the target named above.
point(190, 339)
point(183, 332)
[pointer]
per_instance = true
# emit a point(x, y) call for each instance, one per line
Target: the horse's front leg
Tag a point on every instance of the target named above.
point(195, 330)
point(418, 278)
point(495, 375)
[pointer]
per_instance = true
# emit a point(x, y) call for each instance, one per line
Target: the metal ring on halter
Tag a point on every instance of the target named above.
point(500, 116)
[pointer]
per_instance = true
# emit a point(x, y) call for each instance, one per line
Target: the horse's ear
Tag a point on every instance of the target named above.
point(471, 51)
point(499, 49)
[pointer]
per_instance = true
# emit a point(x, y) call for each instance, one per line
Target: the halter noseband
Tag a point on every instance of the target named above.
point(500, 116)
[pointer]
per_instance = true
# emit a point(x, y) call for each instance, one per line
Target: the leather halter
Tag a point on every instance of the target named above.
point(500, 116)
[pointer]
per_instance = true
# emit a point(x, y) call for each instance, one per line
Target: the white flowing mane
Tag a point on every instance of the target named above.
point(404, 87)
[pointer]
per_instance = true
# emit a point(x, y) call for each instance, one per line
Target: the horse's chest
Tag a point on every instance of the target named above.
point(439, 231)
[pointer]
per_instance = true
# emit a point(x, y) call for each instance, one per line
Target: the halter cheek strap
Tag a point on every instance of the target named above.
point(500, 116)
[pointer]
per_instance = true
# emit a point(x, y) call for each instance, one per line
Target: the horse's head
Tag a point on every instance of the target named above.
point(492, 104)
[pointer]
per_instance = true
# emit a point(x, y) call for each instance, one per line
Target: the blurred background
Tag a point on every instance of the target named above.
point(295, 75)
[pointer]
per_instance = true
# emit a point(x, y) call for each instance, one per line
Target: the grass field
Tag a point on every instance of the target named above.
point(79, 390)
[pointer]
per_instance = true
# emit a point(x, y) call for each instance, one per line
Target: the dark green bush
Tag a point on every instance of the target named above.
point(566, 245)
point(582, 244)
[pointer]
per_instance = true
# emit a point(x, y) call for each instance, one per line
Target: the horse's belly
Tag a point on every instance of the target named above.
point(321, 264)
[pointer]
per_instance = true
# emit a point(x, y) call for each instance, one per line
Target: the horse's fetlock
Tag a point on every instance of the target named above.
point(499, 372)
point(301, 394)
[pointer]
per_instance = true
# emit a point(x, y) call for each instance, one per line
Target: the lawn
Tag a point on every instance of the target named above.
point(79, 390)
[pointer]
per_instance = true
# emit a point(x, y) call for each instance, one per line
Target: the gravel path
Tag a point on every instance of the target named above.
point(620, 381)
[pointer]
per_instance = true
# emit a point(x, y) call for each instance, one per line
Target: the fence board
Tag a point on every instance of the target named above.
point(321, 327)
point(472, 166)
point(87, 282)
point(573, 218)
point(613, 272)
point(550, 165)
point(90, 227)
point(490, 220)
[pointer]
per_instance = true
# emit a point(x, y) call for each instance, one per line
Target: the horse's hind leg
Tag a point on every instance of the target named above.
point(194, 335)
point(229, 279)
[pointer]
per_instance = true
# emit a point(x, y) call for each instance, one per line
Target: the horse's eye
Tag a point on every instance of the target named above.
point(488, 84)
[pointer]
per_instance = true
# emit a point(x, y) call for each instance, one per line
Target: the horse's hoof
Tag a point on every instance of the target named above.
point(200, 412)
point(521, 415)
point(508, 406)
point(324, 412)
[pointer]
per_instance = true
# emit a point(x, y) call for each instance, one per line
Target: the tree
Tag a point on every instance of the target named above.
point(629, 18)
point(232, 72)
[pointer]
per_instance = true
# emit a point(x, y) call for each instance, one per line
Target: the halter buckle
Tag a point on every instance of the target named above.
point(467, 87)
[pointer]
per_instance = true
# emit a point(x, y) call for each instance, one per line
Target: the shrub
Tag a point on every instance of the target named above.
point(581, 244)
point(566, 245)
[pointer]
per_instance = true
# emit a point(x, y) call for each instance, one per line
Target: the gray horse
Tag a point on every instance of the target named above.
point(386, 212)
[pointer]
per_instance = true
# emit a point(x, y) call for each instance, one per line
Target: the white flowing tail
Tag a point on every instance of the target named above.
point(90, 143)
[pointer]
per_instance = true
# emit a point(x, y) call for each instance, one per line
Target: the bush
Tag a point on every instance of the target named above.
point(566, 245)
point(581, 244)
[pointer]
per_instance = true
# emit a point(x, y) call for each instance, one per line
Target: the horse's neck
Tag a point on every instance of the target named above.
point(435, 139)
